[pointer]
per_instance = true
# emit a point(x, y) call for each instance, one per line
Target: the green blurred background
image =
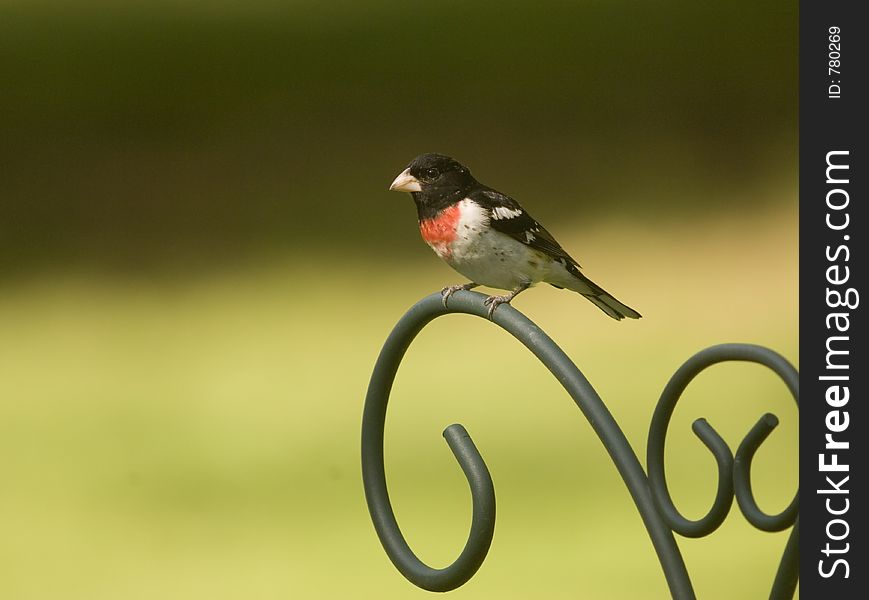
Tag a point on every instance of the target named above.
point(199, 262)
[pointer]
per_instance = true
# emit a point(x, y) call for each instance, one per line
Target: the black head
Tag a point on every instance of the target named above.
point(434, 180)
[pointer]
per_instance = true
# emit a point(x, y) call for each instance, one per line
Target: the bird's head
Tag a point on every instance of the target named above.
point(434, 179)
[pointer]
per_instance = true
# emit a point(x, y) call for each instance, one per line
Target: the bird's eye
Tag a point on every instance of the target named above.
point(430, 174)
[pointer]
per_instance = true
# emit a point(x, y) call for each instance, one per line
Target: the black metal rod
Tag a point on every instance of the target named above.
point(742, 481)
point(788, 575)
point(650, 494)
point(577, 386)
point(735, 480)
point(374, 475)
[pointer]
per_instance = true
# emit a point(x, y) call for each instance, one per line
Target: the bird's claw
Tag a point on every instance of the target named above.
point(494, 302)
point(447, 292)
point(451, 289)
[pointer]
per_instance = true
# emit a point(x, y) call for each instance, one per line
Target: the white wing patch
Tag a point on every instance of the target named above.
point(502, 212)
point(529, 237)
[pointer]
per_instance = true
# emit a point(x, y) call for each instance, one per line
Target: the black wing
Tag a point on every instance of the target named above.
point(508, 217)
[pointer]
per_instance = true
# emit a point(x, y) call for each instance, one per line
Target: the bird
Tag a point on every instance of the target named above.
point(489, 238)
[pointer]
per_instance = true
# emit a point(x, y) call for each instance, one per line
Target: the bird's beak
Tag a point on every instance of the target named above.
point(405, 182)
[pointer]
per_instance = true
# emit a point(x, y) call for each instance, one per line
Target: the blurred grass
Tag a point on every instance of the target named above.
point(199, 438)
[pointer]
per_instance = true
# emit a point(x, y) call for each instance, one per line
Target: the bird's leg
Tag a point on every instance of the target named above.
point(450, 289)
point(494, 301)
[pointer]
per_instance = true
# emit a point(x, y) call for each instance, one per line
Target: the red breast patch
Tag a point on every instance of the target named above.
point(440, 231)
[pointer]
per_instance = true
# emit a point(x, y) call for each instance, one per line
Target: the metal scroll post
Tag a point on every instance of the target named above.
point(649, 493)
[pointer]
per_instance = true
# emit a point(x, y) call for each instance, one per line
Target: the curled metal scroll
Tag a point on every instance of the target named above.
point(650, 493)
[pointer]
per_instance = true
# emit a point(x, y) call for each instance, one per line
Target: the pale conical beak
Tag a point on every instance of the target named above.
point(405, 182)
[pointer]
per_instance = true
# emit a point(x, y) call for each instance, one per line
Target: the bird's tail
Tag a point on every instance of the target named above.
point(598, 296)
point(617, 310)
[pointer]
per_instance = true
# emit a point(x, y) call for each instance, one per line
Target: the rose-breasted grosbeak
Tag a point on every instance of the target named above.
point(487, 237)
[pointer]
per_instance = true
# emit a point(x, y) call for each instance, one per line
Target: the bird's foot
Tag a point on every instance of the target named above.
point(451, 289)
point(494, 302)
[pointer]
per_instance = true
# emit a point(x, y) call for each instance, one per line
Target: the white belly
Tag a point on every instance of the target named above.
point(490, 258)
